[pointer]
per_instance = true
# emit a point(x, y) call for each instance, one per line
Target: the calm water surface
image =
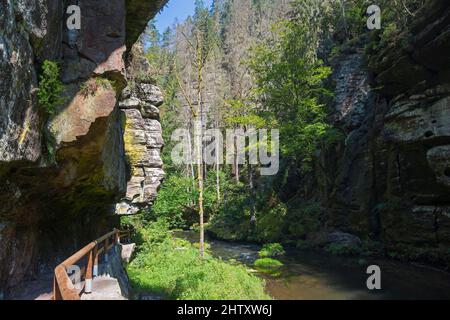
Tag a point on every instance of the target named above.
point(308, 275)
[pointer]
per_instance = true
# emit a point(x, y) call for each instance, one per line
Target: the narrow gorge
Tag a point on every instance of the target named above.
point(365, 171)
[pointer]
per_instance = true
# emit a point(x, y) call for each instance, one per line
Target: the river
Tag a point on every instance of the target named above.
point(312, 275)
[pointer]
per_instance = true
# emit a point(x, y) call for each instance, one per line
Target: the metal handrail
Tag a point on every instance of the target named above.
point(63, 287)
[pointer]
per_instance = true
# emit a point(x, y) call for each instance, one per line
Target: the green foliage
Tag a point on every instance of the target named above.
point(276, 221)
point(173, 200)
point(173, 269)
point(206, 37)
point(154, 233)
point(340, 249)
point(50, 143)
point(270, 224)
point(242, 114)
point(176, 200)
point(289, 81)
point(303, 219)
point(268, 265)
point(390, 31)
point(50, 87)
point(232, 220)
point(271, 250)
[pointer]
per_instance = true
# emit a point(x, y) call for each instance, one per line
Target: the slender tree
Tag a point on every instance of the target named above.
point(199, 42)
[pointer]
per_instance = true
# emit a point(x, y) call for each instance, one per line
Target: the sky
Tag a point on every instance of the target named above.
point(176, 10)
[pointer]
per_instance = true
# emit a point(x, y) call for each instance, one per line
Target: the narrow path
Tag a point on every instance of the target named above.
point(39, 289)
point(104, 287)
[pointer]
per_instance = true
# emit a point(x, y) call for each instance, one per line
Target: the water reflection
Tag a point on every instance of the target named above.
point(310, 275)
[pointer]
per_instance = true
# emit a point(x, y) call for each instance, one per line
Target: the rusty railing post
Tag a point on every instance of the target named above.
point(95, 257)
point(63, 288)
point(88, 277)
point(117, 237)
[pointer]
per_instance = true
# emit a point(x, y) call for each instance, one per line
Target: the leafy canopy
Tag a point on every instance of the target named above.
point(290, 86)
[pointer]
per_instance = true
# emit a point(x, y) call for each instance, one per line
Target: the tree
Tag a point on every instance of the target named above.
point(289, 79)
point(200, 44)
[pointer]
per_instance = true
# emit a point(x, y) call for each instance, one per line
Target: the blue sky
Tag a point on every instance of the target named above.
point(176, 10)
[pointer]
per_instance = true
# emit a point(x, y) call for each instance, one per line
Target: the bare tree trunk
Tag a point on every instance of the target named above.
point(236, 160)
point(200, 187)
point(217, 162)
point(344, 18)
point(252, 195)
point(191, 163)
point(200, 148)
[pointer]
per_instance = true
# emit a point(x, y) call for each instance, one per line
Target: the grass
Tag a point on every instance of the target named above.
point(268, 266)
point(172, 268)
point(268, 263)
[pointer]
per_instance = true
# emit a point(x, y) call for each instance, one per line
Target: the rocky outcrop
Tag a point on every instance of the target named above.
point(143, 139)
point(62, 176)
point(389, 180)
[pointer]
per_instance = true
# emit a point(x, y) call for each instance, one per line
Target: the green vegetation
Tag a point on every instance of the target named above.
point(279, 78)
point(266, 262)
point(89, 87)
point(290, 79)
point(338, 249)
point(268, 266)
point(49, 98)
point(50, 87)
point(173, 269)
point(271, 250)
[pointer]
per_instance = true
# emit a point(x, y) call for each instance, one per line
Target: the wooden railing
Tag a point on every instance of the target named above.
point(63, 286)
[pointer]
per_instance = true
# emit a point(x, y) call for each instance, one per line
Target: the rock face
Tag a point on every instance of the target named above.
point(19, 116)
point(62, 176)
point(389, 181)
point(143, 139)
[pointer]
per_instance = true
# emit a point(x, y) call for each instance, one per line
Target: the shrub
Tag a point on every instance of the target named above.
point(268, 265)
point(270, 224)
point(50, 87)
point(89, 87)
point(173, 199)
point(271, 250)
point(155, 232)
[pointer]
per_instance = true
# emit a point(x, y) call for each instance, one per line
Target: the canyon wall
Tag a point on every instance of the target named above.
point(390, 179)
point(65, 178)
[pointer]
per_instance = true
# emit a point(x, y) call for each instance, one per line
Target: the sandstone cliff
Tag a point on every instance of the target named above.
point(390, 179)
point(106, 144)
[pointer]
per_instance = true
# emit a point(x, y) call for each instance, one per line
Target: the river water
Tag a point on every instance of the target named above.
point(311, 275)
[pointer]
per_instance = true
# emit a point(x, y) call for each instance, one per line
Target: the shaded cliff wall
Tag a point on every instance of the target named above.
point(389, 181)
point(49, 208)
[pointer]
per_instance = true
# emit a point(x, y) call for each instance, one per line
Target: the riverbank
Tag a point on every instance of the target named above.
point(167, 267)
